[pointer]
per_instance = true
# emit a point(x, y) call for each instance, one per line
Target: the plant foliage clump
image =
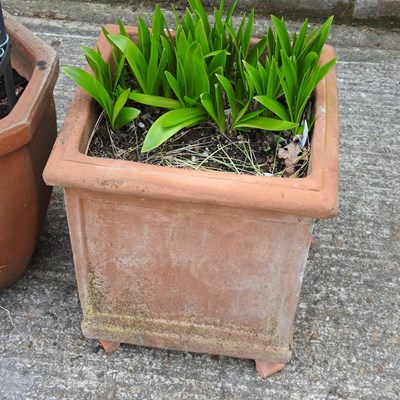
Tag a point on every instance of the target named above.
point(207, 72)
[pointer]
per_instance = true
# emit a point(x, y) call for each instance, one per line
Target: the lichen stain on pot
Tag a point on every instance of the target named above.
point(111, 183)
point(96, 289)
point(184, 335)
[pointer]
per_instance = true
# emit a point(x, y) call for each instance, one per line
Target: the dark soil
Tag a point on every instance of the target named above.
point(202, 147)
point(20, 84)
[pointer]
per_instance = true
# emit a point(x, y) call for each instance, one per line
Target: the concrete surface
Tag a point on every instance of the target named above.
point(376, 9)
point(347, 335)
point(365, 10)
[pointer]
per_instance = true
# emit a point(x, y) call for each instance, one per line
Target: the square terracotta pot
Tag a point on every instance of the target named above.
point(195, 261)
point(27, 135)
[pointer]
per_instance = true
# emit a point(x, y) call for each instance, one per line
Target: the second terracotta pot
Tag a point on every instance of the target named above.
point(196, 261)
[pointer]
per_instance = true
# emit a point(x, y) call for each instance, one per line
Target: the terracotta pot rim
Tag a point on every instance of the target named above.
point(44, 61)
point(315, 196)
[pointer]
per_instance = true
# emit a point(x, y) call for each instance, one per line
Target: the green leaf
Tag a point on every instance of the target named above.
point(282, 34)
point(119, 104)
point(255, 76)
point(155, 101)
point(316, 39)
point(273, 85)
point(274, 105)
point(325, 28)
point(98, 65)
point(181, 115)
point(241, 114)
point(190, 64)
point(289, 94)
point(306, 88)
point(218, 31)
point(239, 34)
point(134, 57)
point(256, 51)
point(218, 61)
point(176, 17)
point(268, 124)
point(208, 103)
point(219, 99)
point(201, 37)
point(144, 38)
point(264, 75)
point(91, 86)
point(153, 60)
point(270, 43)
point(182, 79)
point(200, 76)
point(310, 60)
point(248, 33)
point(245, 117)
point(229, 93)
point(188, 23)
point(116, 53)
point(216, 53)
point(125, 116)
point(231, 11)
point(158, 69)
point(325, 69)
point(173, 83)
point(198, 8)
point(122, 29)
point(171, 62)
point(289, 71)
point(277, 54)
point(232, 33)
point(192, 102)
point(298, 45)
point(118, 73)
point(181, 45)
point(159, 23)
point(169, 124)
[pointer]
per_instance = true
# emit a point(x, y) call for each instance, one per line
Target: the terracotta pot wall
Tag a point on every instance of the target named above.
point(26, 138)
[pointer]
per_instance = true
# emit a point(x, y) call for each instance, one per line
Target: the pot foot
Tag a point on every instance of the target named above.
point(109, 346)
point(266, 368)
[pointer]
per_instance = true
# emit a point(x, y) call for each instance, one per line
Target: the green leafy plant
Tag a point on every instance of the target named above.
point(291, 70)
point(104, 88)
point(203, 58)
point(208, 72)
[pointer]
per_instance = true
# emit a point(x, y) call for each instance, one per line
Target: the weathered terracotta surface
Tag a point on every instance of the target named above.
point(27, 135)
point(198, 261)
